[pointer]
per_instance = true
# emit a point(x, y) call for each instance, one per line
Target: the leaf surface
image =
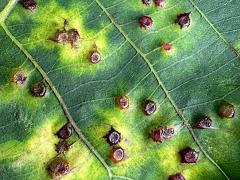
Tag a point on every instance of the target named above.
point(196, 78)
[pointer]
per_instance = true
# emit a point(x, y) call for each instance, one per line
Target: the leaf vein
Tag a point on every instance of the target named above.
point(59, 98)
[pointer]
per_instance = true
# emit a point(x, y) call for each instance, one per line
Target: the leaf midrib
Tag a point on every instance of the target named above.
point(162, 84)
point(5, 12)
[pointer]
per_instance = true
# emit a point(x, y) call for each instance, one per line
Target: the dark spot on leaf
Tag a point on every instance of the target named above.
point(19, 78)
point(94, 57)
point(29, 4)
point(117, 154)
point(147, 2)
point(62, 146)
point(167, 47)
point(58, 168)
point(177, 176)
point(65, 23)
point(39, 89)
point(203, 123)
point(183, 20)
point(61, 37)
point(73, 36)
point(189, 155)
point(145, 22)
point(227, 111)
point(159, 3)
point(65, 132)
point(123, 102)
point(160, 134)
point(149, 107)
point(113, 137)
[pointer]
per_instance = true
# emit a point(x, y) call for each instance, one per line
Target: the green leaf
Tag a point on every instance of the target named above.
point(199, 75)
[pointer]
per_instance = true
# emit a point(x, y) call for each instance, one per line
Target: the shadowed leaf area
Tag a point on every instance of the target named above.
point(150, 89)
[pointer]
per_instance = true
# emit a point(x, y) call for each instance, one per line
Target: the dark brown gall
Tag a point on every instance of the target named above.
point(29, 4)
point(62, 146)
point(160, 134)
point(94, 57)
point(39, 89)
point(61, 37)
point(58, 168)
point(189, 155)
point(73, 36)
point(65, 132)
point(123, 102)
point(167, 47)
point(147, 2)
point(113, 137)
point(227, 111)
point(160, 3)
point(204, 122)
point(183, 20)
point(19, 78)
point(145, 22)
point(177, 176)
point(149, 107)
point(117, 154)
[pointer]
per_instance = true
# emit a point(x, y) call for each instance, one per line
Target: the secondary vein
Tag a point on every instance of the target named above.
point(214, 28)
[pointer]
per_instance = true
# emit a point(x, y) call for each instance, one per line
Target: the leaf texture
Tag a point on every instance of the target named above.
point(199, 75)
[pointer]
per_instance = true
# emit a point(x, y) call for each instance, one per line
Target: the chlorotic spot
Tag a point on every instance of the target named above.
point(113, 137)
point(177, 176)
point(160, 3)
point(19, 78)
point(58, 168)
point(65, 132)
point(94, 57)
point(227, 111)
point(122, 101)
point(117, 154)
point(62, 146)
point(189, 155)
point(147, 2)
point(39, 89)
point(204, 122)
point(149, 107)
point(160, 134)
point(145, 22)
point(183, 20)
point(29, 4)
